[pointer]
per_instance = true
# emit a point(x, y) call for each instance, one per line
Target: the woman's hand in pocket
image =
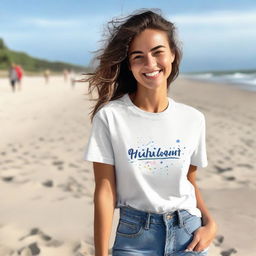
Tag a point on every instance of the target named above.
point(203, 237)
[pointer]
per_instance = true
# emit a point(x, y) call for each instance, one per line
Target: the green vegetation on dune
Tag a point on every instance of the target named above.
point(32, 64)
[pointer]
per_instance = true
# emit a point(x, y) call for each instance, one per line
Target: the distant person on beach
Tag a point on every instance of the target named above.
point(19, 71)
point(72, 78)
point(13, 76)
point(65, 75)
point(145, 146)
point(47, 75)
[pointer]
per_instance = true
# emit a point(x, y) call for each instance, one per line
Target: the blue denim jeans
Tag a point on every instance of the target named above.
point(142, 233)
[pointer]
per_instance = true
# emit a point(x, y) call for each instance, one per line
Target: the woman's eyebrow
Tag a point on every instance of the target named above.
point(153, 49)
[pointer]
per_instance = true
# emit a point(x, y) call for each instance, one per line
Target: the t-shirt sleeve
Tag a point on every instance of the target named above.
point(199, 156)
point(99, 147)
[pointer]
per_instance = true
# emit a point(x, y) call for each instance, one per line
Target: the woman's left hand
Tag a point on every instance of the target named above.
point(203, 237)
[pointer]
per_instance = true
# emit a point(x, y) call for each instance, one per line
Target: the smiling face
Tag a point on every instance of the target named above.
point(150, 59)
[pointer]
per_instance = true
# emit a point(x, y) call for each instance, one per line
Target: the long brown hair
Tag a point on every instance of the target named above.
point(112, 77)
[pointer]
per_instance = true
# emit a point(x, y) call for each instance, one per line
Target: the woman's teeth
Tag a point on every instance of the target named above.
point(153, 73)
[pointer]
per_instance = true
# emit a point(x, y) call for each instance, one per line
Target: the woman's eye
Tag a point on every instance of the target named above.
point(137, 57)
point(158, 52)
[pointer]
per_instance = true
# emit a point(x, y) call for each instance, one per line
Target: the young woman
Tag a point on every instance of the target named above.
point(146, 147)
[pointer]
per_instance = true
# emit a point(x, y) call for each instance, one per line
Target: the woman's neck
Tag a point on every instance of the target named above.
point(153, 102)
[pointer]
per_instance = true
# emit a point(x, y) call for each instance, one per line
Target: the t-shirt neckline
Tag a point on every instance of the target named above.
point(144, 113)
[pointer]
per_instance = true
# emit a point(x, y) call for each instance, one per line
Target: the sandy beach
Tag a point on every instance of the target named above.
point(46, 188)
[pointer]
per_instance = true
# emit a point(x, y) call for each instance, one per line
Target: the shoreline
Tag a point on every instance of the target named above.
point(241, 86)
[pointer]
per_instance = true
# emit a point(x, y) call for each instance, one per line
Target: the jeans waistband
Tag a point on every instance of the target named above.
point(150, 217)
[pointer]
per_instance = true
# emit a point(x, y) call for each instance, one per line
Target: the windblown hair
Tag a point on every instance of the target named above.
point(112, 77)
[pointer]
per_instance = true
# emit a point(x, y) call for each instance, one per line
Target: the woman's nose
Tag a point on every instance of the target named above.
point(150, 61)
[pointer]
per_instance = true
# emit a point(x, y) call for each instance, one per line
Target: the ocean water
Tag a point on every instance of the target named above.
point(246, 81)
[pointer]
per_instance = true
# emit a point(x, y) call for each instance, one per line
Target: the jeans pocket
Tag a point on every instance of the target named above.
point(129, 228)
point(192, 223)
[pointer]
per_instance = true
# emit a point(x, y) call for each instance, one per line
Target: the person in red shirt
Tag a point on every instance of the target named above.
point(19, 72)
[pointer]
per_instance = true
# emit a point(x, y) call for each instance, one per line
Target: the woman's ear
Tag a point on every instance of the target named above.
point(172, 57)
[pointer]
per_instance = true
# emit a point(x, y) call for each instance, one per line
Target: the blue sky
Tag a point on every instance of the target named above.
point(215, 35)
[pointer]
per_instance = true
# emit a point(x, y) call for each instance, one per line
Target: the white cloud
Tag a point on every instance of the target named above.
point(50, 23)
point(217, 18)
point(88, 21)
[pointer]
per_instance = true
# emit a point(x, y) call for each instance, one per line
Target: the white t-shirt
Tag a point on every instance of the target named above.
point(151, 153)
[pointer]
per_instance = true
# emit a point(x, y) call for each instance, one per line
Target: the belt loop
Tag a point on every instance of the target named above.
point(147, 222)
point(181, 224)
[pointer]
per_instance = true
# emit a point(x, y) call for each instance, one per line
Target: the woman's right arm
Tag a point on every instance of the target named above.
point(104, 206)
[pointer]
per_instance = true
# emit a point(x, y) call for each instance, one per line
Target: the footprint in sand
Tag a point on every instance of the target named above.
point(33, 231)
point(221, 169)
point(230, 178)
point(228, 252)
point(219, 239)
point(48, 183)
point(73, 186)
point(7, 178)
point(31, 249)
point(59, 164)
point(49, 241)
